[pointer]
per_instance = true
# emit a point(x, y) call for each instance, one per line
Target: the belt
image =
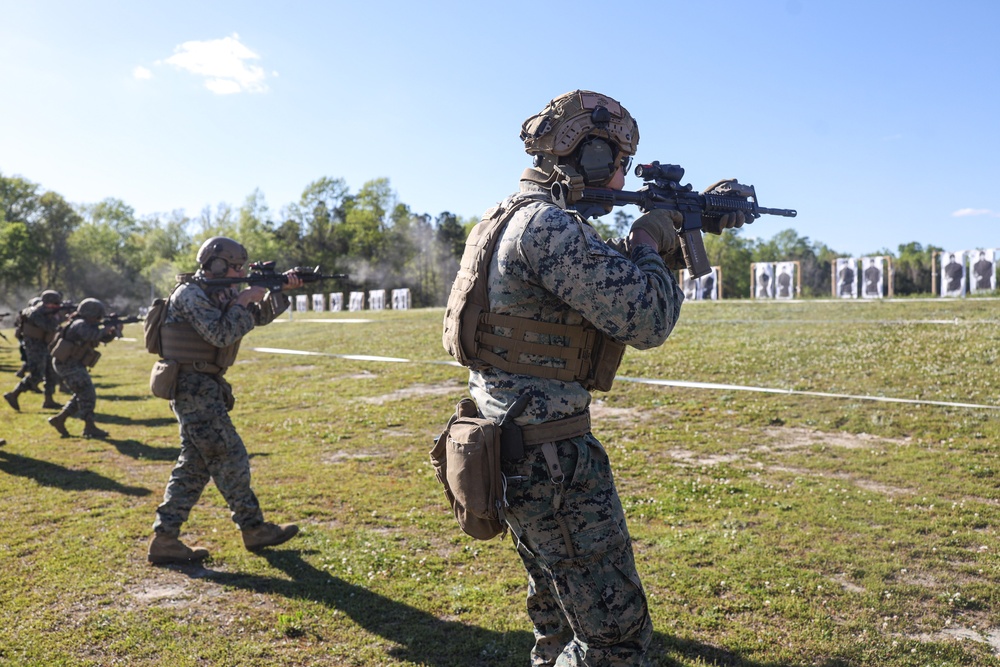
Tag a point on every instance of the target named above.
point(560, 429)
point(513, 438)
point(200, 367)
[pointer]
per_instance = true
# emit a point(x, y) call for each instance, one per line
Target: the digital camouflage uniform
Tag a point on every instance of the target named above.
point(211, 449)
point(36, 350)
point(584, 598)
point(74, 374)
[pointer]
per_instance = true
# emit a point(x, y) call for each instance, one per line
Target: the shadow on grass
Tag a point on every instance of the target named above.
point(666, 651)
point(50, 474)
point(106, 418)
point(425, 639)
point(138, 450)
point(422, 638)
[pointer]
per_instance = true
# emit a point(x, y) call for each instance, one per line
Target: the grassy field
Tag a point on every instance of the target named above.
point(771, 529)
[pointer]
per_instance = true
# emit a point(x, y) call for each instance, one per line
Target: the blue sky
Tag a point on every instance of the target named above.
point(877, 121)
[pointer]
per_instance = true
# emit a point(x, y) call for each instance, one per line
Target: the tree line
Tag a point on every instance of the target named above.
point(106, 251)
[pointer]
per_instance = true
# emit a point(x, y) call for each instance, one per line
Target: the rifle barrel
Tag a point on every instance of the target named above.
point(784, 212)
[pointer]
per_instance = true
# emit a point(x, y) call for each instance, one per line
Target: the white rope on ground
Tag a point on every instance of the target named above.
point(796, 392)
point(662, 383)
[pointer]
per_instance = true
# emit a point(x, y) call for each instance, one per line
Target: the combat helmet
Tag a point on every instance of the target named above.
point(218, 253)
point(579, 138)
point(52, 296)
point(91, 308)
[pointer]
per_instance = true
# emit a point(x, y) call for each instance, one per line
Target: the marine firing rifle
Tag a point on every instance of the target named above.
point(263, 274)
point(662, 189)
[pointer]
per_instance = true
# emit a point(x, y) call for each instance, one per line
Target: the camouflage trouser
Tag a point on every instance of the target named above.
point(76, 377)
point(584, 595)
point(36, 358)
point(211, 449)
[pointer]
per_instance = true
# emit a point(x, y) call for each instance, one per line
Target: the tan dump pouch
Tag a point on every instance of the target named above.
point(466, 460)
point(163, 378)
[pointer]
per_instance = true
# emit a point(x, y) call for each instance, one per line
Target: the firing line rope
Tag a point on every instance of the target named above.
point(663, 383)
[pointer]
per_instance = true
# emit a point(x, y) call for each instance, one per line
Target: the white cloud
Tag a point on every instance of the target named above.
point(141, 73)
point(223, 63)
point(966, 212)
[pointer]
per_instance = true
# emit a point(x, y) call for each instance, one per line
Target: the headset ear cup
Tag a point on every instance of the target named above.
point(217, 267)
point(596, 161)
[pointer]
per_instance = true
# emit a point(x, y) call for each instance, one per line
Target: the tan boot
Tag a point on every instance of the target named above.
point(268, 535)
point(59, 422)
point(165, 549)
point(90, 430)
point(11, 398)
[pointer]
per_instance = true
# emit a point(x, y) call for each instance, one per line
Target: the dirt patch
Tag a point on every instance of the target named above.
point(989, 636)
point(342, 456)
point(174, 594)
point(797, 438)
point(687, 457)
point(599, 413)
point(413, 391)
point(866, 484)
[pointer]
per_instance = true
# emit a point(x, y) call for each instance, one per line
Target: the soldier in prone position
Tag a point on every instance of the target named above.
point(202, 330)
point(574, 302)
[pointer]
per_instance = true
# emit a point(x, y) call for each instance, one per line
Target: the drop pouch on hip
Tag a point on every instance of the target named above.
point(163, 378)
point(466, 460)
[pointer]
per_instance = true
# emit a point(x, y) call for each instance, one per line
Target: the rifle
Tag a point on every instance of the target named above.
point(263, 274)
point(662, 189)
point(114, 320)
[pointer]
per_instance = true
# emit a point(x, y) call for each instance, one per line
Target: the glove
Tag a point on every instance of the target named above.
point(728, 220)
point(661, 225)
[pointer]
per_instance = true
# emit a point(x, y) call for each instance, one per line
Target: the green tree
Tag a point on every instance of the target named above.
point(256, 232)
point(734, 254)
point(55, 222)
point(913, 268)
point(786, 246)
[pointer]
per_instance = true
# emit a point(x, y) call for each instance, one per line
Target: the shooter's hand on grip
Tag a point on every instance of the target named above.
point(659, 229)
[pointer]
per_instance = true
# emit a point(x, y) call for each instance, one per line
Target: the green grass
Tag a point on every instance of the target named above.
point(770, 529)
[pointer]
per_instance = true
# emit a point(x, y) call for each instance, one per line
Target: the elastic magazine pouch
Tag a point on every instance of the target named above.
point(163, 378)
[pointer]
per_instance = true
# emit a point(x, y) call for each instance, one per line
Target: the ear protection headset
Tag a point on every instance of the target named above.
point(217, 267)
point(595, 160)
